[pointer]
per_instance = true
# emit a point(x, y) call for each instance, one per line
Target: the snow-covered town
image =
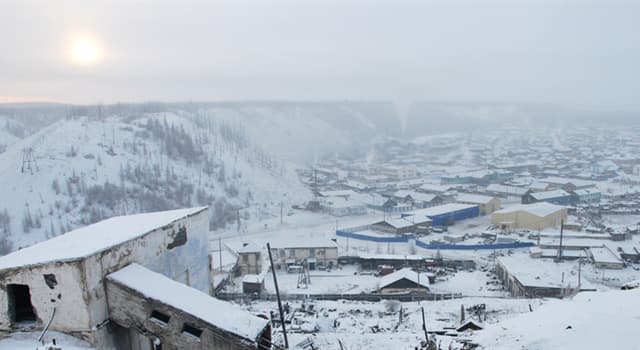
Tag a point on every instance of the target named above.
point(335, 175)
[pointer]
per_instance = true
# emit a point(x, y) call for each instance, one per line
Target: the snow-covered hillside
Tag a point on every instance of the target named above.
point(302, 132)
point(89, 168)
point(9, 132)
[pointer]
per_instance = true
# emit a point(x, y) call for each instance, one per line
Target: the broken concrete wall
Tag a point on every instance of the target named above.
point(178, 251)
point(132, 310)
point(58, 285)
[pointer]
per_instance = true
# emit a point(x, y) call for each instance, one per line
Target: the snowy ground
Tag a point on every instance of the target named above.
point(364, 325)
point(343, 280)
point(29, 341)
point(608, 320)
point(472, 283)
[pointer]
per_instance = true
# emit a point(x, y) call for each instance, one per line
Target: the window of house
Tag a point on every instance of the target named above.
point(245, 258)
point(159, 317)
point(191, 331)
point(20, 307)
point(292, 253)
point(312, 252)
point(282, 253)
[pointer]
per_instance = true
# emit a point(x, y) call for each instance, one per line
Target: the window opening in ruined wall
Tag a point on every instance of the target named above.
point(191, 331)
point(20, 307)
point(160, 318)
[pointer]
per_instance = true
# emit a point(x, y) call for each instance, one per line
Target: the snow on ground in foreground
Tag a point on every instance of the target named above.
point(342, 280)
point(29, 341)
point(591, 320)
point(472, 283)
point(367, 325)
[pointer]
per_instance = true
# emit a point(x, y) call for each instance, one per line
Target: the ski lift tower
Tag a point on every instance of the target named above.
point(28, 161)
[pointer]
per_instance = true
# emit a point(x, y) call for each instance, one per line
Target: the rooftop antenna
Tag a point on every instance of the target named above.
point(28, 160)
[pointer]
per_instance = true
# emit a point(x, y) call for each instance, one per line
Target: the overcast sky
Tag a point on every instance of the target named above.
point(578, 52)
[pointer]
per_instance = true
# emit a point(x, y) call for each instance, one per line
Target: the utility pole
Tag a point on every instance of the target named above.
point(347, 245)
point(424, 326)
point(238, 220)
point(561, 233)
point(220, 252)
point(579, 272)
point(275, 282)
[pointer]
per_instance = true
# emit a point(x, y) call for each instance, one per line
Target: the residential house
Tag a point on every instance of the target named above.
point(559, 197)
point(250, 259)
point(317, 253)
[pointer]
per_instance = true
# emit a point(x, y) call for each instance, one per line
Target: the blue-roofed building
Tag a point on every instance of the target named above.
point(559, 197)
point(447, 214)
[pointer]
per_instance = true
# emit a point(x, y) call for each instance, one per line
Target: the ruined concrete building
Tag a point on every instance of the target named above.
point(133, 282)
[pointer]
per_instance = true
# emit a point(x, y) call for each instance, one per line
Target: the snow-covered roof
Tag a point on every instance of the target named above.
point(229, 260)
point(517, 191)
point(567, 253)
point(421, 279)
point(441, 209)
point(539, 186)
point(473, 198)
point(336, 193)
point(540, 209)
point(549, 194)
point(94, 238)
point(303, 243)
point(405, 222)
point(541, 272)
point(250, 248)
point(220, 314)
point(586, 191)
point(253, 279)
point(391, 257)
point(340, 202)
point(435, 188)
point(397, 223)
point(604, 255)
point(469, 323)
point(356, 184)
point(403, 193)
point(423, 197)
point(564, 181)
point(416, 196)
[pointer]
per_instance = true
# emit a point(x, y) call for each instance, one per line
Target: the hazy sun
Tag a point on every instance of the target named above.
point(85, 50)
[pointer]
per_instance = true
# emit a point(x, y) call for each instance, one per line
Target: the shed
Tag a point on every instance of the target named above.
point(469, 324)
point(252, 284)
point(404, 280)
